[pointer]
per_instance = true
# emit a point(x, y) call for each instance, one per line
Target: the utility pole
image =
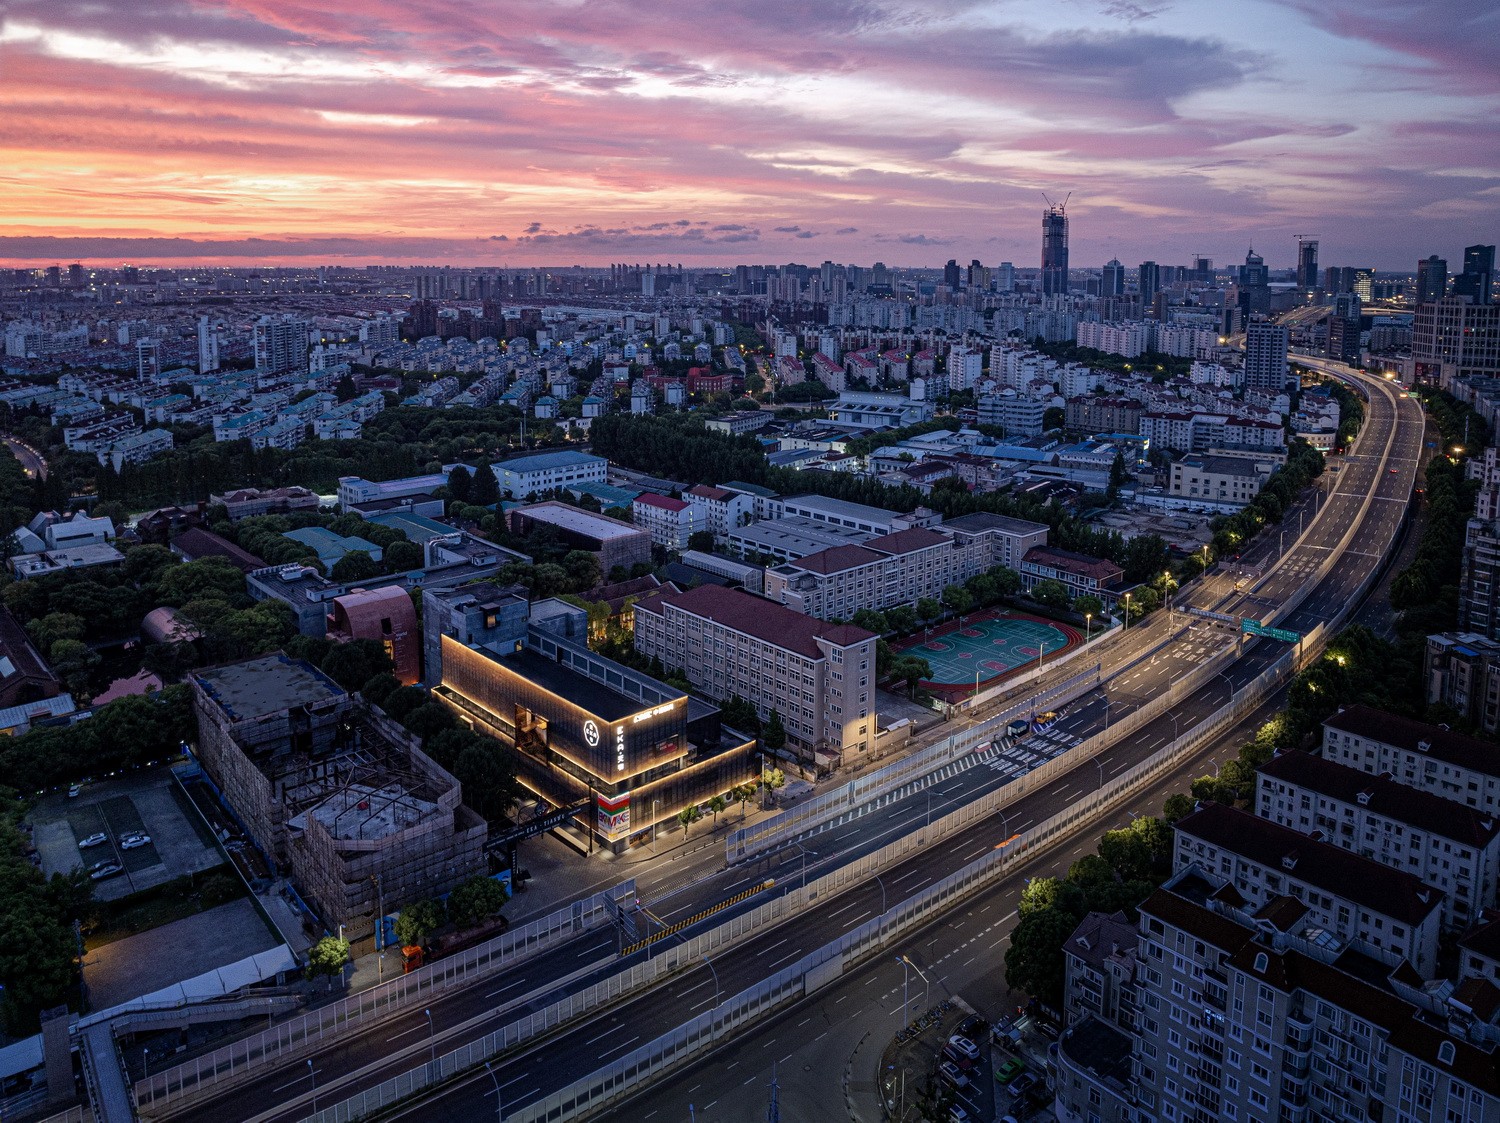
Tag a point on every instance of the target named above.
point(773, 1110)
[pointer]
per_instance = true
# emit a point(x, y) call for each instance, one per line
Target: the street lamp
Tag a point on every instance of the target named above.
point(718, 992)
point(926, 984)
point(1088, 620)
point(805, 852)
point(312, 1074)
point(883, 908)
point(1127, 612)
point(431, 1037)
point(653, 826)
point(1099, 764)
point(499, 1113)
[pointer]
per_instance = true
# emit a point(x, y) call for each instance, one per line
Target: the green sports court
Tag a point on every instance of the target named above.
point(988, 647)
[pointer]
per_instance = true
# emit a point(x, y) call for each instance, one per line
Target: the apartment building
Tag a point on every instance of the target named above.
point(1450, 846)
point(1080, 573)
point(1427, 757)
point(616, 543)
point(719, 509)
point(893, 569)
point(1453, 338)
point(1218, 481)
point(670, 522)
point(1101, 414)
point(1462, 671)
point(524, 476)
point(1100, 965)
point(1254, 1014)
point(818, 676)
point(1351, 897)
point(1479, 580)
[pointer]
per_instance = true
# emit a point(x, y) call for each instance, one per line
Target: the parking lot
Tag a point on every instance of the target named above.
point(144, 803)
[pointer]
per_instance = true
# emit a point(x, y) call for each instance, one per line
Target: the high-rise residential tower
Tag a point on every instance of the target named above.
point(1112, 280)
point(1265, 355)
point(1055, 250)
point(1478, 278)
point(1432, 279)
point(1307, 263)
point(1149, 280)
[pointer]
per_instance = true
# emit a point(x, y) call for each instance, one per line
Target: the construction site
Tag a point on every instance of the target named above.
point(340, 800)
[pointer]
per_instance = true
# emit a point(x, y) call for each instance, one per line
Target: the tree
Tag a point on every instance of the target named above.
point(901, 619)
point(1177, 806)
point(1119, 475)
point(327, 957)
point(743, 794)
point(715, 805)
point(403, 556)
point(1007, 580)
point(912, 670)
point(461, 483)
point(353, 664)
point(1050, 594)
point(687, 817)
point(548, 581)
point(958, 600)
point(56, 626)
point(773, 736)
point(929, 609)
point(72, 660)
point(871, 621)
point(702, 540)
point(1034, 960)
point(356, 565)
point(429, 719)
point(1089, 605)
point(418, 921)
point(582, 568)
point(485, 491)
point(475, 899)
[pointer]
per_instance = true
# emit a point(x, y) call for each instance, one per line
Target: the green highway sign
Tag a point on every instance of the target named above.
point(1256, 628)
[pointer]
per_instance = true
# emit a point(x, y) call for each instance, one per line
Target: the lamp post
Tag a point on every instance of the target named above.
point(805, 852)
point(312, 1075)
point(653, 826)
point(499, 1111)
point(1088, 621)
point(431, 1037)
point(905, 978)
point(718, 992)
point(883, 908)
point(1127, 612)
point(1099, 764)
point(926, 984)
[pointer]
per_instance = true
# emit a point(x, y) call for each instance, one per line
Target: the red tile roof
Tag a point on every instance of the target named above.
point(758, 617)
point(665, 502)
point(908, 541)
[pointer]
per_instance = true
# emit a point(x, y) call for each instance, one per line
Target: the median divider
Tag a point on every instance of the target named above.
point(673, 929)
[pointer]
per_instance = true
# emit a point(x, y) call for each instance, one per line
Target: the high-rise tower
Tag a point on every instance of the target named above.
point(1055, 248)
point(1432, 279)
point(1307, 263)
point(1478, 278)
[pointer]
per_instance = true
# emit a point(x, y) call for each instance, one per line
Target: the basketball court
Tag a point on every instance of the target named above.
point(988, 648)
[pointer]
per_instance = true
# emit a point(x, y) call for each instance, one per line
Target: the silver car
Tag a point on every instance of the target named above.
point(99, 838)
point(132, 841)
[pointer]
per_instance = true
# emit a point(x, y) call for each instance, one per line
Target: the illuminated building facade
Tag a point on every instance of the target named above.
point(588, 732)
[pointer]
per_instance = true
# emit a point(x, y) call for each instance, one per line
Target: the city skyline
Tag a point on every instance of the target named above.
point(270, 132)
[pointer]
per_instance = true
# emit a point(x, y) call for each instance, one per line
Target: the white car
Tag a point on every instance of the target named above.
point(100, 870)
point(74, 790)
point(132, 841)
point(99, 838)
point(964, 1046)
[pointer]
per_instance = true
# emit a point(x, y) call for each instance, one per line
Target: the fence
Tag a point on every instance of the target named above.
point(775, 831)
point(240, 1060)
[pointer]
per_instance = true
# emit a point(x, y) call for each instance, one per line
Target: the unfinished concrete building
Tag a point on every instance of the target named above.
point(343, 801)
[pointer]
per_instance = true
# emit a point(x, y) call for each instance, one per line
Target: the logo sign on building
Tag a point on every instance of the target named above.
point(591, 734)
point(614, 814)
point(619, 748)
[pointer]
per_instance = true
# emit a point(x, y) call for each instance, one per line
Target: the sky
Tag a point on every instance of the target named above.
point(517, 133)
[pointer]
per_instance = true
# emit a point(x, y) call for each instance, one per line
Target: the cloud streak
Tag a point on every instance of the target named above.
point(190, 129)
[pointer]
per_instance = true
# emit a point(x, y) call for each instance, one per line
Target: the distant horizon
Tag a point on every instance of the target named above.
point(185, 132)
point(312, 261)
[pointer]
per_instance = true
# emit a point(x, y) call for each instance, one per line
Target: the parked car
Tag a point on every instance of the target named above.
point(973, 1028)
point(964, 1046)
point(954, 1054)
point(957, 1114)
point(1023, 1084)
point(132, 841)
point(98, 838)
point(101, 870)
point(953, 1074)
point(74, 790)
point(1010, 1070)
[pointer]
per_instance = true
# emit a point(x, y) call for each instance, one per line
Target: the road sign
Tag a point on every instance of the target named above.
point(1222, 617)
point(1256, 628)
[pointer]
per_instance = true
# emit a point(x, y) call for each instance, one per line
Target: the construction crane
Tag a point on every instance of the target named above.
point(1063, 206)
